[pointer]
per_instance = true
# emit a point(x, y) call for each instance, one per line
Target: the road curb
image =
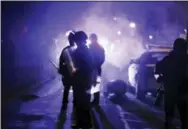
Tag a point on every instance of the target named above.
point(25, 91)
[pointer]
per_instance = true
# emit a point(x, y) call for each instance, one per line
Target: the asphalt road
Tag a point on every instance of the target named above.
point(44, 112)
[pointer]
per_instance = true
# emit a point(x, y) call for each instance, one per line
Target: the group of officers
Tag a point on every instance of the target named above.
point(86, 66)
point(80, 65)
point(173, 74)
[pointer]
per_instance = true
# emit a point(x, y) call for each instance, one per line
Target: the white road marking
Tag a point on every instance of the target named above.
point(126, 125)
point(136, 121)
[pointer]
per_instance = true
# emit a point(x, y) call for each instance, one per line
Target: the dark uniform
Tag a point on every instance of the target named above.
point(99, 57)
point(173, 68)
point(142, 77)
point(63, 70)
point(160, 91)
point(82, 80)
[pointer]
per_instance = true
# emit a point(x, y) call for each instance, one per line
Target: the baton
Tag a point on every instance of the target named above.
point(54, 65)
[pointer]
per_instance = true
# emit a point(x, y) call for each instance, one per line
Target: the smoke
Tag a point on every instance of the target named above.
point(121, 42)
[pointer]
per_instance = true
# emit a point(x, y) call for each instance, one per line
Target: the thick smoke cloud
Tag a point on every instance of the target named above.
point(107, 19)
point(33, 34)
point(114, 34)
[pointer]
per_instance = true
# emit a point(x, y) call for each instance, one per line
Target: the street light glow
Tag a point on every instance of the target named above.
point(119, 32)
point(132, 25)
point(115, 18)
point(185, 30)
point(150, 37)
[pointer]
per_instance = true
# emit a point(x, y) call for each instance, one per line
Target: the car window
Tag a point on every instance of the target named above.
point(147, 58)
point(151, 57)
point(159, 56)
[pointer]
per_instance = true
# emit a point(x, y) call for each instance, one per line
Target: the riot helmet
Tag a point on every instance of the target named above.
point(71, 36)
point(80, 37)
point(180, 45)
point(93, 37)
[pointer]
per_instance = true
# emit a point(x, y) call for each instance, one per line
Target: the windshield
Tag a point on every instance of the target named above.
point(151, 57)
point(159, 56)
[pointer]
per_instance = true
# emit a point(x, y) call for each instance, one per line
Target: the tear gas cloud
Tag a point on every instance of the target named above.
point(115, 36)
point(120, 41)
point(120, 36)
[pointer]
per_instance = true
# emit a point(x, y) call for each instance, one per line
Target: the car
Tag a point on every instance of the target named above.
point(141, 78)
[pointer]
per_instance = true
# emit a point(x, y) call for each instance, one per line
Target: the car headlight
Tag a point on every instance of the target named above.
point(132, 71)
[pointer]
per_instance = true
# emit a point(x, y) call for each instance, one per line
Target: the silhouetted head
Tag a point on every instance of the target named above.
point(71, 35)
point(180, 45)
point(93, 38)
point(80, 37)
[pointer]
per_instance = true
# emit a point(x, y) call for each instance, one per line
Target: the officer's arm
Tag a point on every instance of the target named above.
point(103, 60)
point(100, 71)
point(161, 66)
point(103, 55)
point(61, 63)
point(156, 70)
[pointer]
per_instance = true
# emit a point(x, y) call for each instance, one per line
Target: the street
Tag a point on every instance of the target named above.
point(126, 41)
point(44, 112)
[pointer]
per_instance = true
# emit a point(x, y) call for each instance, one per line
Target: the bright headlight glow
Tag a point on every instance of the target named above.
point(132, 71)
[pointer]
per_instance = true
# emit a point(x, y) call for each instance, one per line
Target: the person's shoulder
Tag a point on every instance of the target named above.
point(65, 48)
point(100, 46)
point(164, 60)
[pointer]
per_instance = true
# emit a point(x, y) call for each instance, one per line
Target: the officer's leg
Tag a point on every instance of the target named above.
point(83, 107)
point(66, 95)
point(141, 88)
point(183, 111)
point(169, 104)
point(159, 98)
point(74, 100)
point(76, 109)
point(74, 117)
point(83, 110)
point(96, 98)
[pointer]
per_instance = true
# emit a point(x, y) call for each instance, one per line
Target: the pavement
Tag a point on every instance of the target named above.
point(44, 112)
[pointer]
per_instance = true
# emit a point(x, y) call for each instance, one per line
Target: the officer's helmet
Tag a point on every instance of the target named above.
point(180, 44)
point(70, 36)
point(80, 37)
point(93, 37)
